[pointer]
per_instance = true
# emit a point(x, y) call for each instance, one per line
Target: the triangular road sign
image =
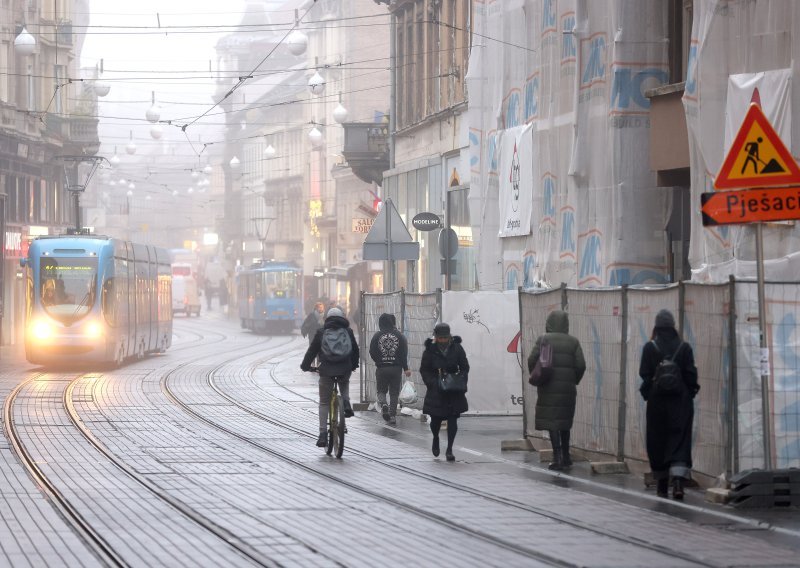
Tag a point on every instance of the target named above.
point(399, 232)
point(757, 157)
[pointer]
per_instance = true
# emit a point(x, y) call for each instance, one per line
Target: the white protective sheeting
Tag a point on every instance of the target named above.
point(575, 73)
point(735, 48)
point(487, 323)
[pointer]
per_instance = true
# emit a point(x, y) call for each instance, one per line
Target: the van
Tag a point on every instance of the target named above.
point(185, 297)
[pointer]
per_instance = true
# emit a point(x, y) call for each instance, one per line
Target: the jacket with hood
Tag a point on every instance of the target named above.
point(329, 368)
point(434, 360)
point(389, 347)
point(555, 401)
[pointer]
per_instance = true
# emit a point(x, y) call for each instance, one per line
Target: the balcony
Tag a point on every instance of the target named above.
point(83, 134)
point(366, 149)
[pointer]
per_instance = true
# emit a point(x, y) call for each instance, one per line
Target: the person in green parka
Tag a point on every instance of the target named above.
point(555, 401)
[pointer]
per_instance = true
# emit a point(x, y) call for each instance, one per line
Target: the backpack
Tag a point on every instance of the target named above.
point(336, 346)
point(668, 379)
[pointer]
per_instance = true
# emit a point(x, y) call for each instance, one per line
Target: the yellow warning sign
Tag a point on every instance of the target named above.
point(757, 157)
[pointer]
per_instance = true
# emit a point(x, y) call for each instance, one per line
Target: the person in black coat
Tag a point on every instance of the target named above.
point(327, 369)
point(669, 415)
point(443, 354)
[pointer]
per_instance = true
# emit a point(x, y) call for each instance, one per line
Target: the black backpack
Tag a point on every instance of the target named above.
point(336, 345)
point(668, 380)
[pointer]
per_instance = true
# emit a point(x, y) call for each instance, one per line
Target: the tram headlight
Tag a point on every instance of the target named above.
point(93, 330)
point(41, 330)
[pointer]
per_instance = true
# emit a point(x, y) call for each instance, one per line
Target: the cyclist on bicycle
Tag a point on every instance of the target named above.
point(336, 346)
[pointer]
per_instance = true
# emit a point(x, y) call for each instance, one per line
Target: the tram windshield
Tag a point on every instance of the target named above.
point(281, 284)
point(68, 287)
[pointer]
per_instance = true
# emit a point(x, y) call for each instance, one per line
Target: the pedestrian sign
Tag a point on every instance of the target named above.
point(750, 206)
point(757, 157)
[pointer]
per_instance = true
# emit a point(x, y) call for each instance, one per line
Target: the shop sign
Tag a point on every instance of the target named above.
point(362, 225)
point(426, 221)
point(13, 246)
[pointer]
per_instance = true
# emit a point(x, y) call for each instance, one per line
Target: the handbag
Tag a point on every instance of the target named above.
point(452, 382)
point(543, 370)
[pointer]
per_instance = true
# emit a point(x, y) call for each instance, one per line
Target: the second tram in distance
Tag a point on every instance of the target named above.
point(270, 296)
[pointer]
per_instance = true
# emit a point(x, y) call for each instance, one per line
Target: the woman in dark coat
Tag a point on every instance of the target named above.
point(670, 415)
point(442, 354)
point(555, 401)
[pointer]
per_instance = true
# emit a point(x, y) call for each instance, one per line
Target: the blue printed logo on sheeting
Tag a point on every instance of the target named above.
point(628, 85)
point(591, 269)
point(568, 247)
point(532, 98)
point(528, 265)
point(569, 50)
point(594, 49)
point(511, 109)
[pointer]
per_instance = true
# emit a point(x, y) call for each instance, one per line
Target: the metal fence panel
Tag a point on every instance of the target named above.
point(643, 305)
point(373, 306)
point(706, 329)
point(534, 309)
point(595, 319)
point(422, 312)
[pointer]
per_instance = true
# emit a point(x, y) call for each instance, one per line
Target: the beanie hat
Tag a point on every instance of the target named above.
point(664, 318)
point(441, 330)
point(335, 312)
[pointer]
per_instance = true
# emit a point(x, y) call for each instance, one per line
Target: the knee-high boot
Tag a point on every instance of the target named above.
point(566, 459)
point(555, 441)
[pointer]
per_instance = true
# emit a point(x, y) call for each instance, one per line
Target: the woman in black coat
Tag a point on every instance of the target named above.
point(669, 415)
point(443, 354)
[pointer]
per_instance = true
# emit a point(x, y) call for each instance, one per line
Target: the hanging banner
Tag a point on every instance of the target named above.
point(516, 181)
point(487, 323)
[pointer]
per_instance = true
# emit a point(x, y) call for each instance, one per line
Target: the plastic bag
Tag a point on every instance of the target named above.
point(408, 393)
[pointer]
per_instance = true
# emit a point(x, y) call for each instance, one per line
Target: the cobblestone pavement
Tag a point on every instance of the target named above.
point(205, 456)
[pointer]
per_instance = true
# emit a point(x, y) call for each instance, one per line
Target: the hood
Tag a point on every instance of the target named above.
point(333, 322)
point(431, 344)
point(557, 322)
point(387, 322)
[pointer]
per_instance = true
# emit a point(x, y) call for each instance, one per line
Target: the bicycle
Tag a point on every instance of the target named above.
point(336, 424)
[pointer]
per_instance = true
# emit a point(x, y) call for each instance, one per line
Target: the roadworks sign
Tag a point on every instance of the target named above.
point(757, 157)
point(751, 206)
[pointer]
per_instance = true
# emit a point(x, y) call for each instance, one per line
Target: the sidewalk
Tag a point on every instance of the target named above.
point(480, 437)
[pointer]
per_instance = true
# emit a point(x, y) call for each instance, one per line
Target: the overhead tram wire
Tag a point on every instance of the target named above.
point(249, 75)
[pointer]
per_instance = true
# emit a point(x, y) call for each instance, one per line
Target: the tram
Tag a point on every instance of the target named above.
point(95, 299)
point(270, 296)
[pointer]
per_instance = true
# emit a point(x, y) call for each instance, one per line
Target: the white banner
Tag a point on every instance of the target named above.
point(770, 89)
point(516, 181)
point(488, 322)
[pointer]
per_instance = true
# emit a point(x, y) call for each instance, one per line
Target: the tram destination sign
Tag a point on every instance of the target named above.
point(758, 205)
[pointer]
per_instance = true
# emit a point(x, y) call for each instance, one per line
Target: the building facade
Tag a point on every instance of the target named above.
point(45, 111)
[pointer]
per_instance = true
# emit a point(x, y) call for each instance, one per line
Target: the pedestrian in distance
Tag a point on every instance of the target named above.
point(669, 385)
point(337, 349)
point(389, 350)
point(555, 400)
point(443, 354)
point(222, 291)
point(313, 322)
point(209, 289)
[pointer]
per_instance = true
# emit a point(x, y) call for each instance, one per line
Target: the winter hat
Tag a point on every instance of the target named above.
point(664, 318)
point(335, 312)
point(441, 330)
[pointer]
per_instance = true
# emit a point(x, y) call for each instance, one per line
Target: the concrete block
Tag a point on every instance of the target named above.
point(718, 495)
point(545, 455)
point(523, 445)
point(360, 406)
point(608, 467)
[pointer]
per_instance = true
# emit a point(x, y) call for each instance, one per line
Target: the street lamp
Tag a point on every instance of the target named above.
point(131, 147)
point(234, 163)
point(269, 151)
point(297, 41)
point(316, 84)
point(25, 43)
point(315, 136)
point(154, 112)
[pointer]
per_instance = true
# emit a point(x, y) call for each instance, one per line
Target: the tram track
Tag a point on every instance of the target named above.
point(377, 495)
point(654, 547)
point(93, 539)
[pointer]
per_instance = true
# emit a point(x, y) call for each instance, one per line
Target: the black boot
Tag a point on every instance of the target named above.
point(662, 487)
point(566, 460)
point(677, 488)
point(555, 441)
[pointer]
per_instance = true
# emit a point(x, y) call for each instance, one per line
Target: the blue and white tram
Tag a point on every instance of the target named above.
point(94, 299)
point(270, 296)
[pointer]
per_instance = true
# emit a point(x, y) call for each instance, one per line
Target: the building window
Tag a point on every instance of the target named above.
point(432, 53)
point(679, 21)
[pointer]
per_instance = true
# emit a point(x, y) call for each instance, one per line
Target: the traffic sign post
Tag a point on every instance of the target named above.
point(757, 159)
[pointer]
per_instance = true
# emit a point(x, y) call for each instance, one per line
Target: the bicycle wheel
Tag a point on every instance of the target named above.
point(338, 428)
point(333, 418)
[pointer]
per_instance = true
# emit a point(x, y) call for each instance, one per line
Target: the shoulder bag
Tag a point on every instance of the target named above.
point(543, 370)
